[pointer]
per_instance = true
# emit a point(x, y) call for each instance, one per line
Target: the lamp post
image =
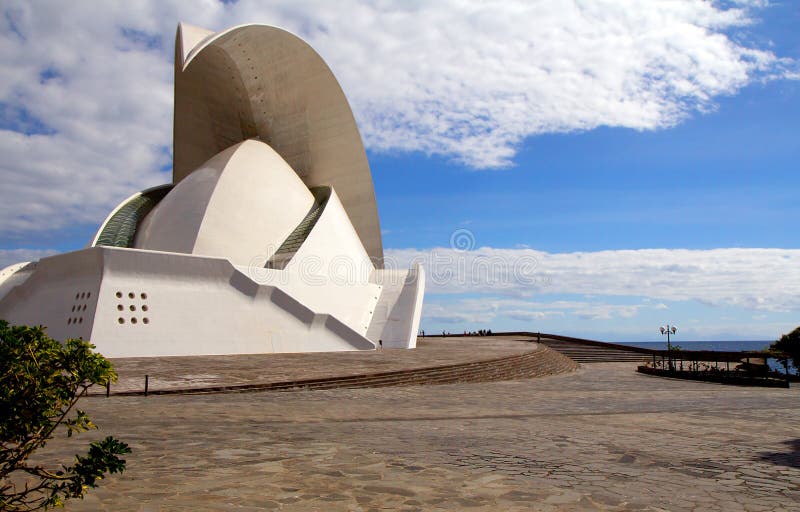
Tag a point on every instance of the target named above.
point(668, 329)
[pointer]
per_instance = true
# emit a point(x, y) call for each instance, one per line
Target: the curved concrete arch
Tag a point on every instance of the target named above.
point(257, 81)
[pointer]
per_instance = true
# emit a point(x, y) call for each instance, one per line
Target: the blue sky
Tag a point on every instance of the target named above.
point(723, 179)
point(641, 156)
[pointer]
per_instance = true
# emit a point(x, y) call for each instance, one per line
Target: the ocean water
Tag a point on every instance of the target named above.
point(732, 346)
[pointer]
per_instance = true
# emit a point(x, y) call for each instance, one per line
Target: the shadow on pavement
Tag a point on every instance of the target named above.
point(790, 459)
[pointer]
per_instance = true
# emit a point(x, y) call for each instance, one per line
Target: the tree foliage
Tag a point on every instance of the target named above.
point(41, 381)
point(789, 344)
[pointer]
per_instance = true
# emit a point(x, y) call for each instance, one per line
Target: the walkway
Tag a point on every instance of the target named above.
point(601, 438)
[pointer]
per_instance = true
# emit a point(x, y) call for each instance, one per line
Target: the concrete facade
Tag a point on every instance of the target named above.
point(267, 240)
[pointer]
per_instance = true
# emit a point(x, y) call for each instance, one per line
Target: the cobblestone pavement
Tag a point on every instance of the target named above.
point(200, 371)
point(602, 438)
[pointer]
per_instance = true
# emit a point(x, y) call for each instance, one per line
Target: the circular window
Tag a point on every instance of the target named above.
point(73, 309)
point(83, 308)
point(77, 296)
point(133, 320)
point(132, 307)
point(131, 295)
point(69, 321)
point(88, 294)
point(145, 320)
point(119, 295)
point(144, 307)
point(120, 307)
point(80, 320)
point(121, 320)
point(143, 296)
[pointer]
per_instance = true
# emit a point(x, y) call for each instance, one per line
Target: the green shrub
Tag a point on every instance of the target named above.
point(789, 344)
point(41, 380)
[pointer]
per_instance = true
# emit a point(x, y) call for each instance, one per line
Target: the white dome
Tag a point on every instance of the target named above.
point(240, 205)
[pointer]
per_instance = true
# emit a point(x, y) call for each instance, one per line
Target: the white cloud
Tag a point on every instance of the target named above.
point(12, 256)
point(754, 279)
point(715, 294)
point(470, 311)
point(86, 94)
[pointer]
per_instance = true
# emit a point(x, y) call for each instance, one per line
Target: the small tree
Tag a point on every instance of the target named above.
point(41, 380)
point(789, 344)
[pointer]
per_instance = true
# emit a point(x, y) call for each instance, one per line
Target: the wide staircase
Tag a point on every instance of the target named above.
point(587, 352)
point(539, 362)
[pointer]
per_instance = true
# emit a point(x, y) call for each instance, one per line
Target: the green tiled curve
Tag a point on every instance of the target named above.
point(120, 229)
point(300, 233)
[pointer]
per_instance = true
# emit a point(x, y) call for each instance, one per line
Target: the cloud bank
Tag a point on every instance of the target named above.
point(86, 94)
point(753, 279)
point(624, 294)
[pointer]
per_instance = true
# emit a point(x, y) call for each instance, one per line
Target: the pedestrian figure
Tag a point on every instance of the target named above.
point(380, 343)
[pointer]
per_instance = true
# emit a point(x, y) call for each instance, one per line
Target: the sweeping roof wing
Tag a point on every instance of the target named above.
point(257, 81)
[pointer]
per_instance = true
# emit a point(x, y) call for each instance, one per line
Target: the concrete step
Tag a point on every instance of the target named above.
point(589, 353)
point(540, 362)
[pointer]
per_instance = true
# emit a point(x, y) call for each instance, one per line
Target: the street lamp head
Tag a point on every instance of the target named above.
point(662, 330)
point(674, 329)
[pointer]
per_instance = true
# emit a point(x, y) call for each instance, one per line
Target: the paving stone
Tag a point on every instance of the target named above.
point(601, 438)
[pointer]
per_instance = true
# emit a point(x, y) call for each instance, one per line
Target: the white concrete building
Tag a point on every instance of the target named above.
point(267, 240)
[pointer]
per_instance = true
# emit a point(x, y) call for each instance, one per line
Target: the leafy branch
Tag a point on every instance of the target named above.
point(41, 381)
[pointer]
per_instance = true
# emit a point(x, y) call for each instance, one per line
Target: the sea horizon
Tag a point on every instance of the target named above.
point(721, 345)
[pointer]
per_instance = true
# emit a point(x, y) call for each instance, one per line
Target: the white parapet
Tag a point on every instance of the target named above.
point(398, 312)
point(134, 303)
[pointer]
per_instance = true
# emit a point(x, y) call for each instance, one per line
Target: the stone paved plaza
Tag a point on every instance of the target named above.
point(601, 438)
